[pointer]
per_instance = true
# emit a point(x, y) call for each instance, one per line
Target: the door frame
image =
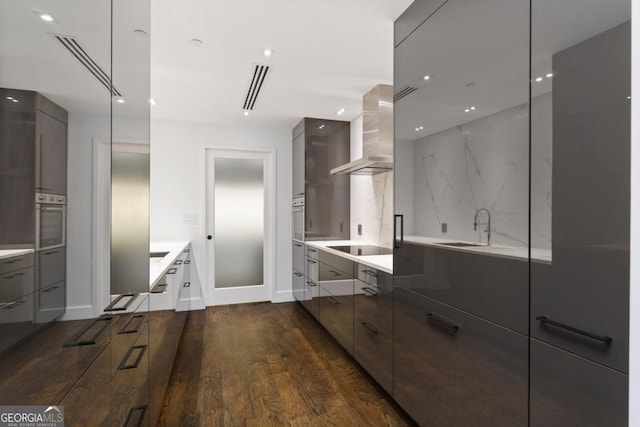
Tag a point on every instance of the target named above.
point(269, 272)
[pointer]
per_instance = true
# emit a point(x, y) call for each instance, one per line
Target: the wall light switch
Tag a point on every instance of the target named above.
point(443, 227)
point(359, 229)
point(190, 219)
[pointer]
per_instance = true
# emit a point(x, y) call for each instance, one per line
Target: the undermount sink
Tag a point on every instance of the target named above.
point(460, 244)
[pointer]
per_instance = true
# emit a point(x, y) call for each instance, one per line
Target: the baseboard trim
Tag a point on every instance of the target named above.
point(283, 296)
point(79, 312)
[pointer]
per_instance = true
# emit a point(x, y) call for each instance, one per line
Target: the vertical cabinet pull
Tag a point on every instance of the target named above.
point(396, 244)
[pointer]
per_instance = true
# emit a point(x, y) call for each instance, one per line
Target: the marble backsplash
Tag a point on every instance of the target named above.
point(484, 164)
point(372, 207)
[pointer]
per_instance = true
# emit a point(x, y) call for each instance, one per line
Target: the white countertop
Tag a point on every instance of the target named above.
point(158, 269)
point(8, 253)
point(513, 252)
point(381, 262)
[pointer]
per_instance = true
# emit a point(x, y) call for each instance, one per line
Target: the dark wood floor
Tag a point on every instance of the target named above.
point(269, 365)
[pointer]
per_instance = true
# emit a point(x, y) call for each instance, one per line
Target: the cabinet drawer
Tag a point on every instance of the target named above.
point(16, 321)
point(373, 349)
point(8, 265)
point(329, 274)
point(312, 270)
point(465, 370)
point(311, 301)
point(16, 284)
point(337, 318)
point(312, 253)
point(337, 263)
point(374, 304)
point(375, 277)
point(51, 302)
point(568, 390)
point(298, 256)
point(586, 289)
point(51, 266)
point(298, 284)
point(496, 289)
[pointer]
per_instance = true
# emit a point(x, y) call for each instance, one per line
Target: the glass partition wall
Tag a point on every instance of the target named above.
point(74, 79)
point(511, 261)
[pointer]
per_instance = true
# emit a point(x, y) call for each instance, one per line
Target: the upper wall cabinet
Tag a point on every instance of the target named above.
point(51, 147)
point(416, 14)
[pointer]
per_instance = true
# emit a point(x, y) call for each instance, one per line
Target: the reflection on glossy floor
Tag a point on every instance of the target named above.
point(269, 364)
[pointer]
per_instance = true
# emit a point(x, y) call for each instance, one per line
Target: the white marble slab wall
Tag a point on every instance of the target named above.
point(484, 164)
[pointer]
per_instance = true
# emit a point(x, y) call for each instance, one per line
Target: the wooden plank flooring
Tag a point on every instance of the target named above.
point(269, 365)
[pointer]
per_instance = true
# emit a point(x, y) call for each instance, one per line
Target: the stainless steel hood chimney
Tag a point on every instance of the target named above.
point(377, 135)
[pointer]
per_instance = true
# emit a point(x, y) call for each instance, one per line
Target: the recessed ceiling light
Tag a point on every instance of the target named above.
point(46, 17)
point(267, 52)
point(246, 113)
point(15, 100)
point(153, 101)
point(196, 42)
point(118, 99)
point(472, 108)
point(9, 98)
point(417, 129)
point(321, 126)
point(141, 33)
point(466, 110)
point(549, 75)
point(629, 97)
point(426, 77)
point(539, 79)
point(341, 111)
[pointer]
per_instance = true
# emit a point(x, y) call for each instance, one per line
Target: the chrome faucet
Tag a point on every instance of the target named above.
point(488, 229)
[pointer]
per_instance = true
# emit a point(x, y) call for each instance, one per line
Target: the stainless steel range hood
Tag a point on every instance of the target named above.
point(377, 135)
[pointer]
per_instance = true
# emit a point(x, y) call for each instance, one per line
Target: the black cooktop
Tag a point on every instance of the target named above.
point(362, 250)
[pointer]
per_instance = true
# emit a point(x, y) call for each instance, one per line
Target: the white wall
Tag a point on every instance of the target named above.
point(83, 129)
point(371, 199)
point(177, 186)
point(634, 282)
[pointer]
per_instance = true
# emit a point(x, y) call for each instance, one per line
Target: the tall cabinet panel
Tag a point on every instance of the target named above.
point(461, 203)
point(580, 297)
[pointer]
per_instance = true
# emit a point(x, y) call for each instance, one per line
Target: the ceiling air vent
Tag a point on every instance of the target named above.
point(259, 74)
point(80, 53)
point(403, 92)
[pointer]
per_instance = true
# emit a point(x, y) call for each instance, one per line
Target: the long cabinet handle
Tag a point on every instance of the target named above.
point(443, 323)
point(186, 285)
point(51, 289)
point(370, 327)
point(14, 276)
point(77, 338)
point(127, 328)
point(14, 305)
point(310, 261)
point(297, 245)
point(187, 261)
point(112, 306)
point(297, 274)
point(335, 273)
point(369, 291)
point(310, 283)
point(172, 270)
point(332, 300)
point(312, 250)
point(370, 273)
point(603, 338)
point(124, 365)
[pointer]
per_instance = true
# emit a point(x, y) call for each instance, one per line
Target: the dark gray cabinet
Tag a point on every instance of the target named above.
point(490, 287)
point(569, 390)
point(298, 161)
point(298, 256)
point(452, 368)
point(51, 266)
point(17, 283)
point(327, 197)
point(51, 152)
point(586, 287)
point(50, 302)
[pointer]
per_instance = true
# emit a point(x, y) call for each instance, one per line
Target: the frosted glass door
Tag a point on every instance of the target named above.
point(239, 222)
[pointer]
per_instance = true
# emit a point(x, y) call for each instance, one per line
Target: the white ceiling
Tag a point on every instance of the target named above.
point(328, 54)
